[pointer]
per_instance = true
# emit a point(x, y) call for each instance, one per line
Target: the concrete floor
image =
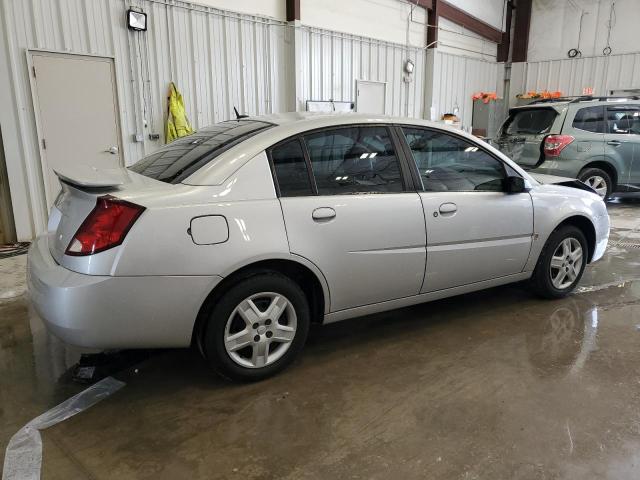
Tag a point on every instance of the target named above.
point(491, 385)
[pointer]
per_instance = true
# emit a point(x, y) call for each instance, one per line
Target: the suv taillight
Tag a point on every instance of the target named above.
point(105, 227)
point(554, 144)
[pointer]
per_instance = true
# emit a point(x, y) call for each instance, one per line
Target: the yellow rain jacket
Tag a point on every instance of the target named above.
point(177, 121)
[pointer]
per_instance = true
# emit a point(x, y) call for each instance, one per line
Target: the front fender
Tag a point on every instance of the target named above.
point(554, 204)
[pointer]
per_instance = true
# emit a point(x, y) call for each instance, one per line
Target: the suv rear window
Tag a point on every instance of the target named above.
point(176, 161)
point(531, 121)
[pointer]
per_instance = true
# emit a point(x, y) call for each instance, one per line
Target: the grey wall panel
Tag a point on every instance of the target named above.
point(457, 78)
point(570, 76)
point(332, 62)
point(218, 59)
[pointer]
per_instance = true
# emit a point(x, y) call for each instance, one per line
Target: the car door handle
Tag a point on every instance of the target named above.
point(112, 150)
point(615, 143)
point(323, 213)
point(449, 207)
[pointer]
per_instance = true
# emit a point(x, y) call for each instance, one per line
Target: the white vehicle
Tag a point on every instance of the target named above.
point(237, 237)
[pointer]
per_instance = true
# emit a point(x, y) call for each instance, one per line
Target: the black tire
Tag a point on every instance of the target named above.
point(213, 337)
point(587, 173)
point(541, 280)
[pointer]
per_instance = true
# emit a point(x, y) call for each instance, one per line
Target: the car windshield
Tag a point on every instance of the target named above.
point(530, 121)
point(176, 161)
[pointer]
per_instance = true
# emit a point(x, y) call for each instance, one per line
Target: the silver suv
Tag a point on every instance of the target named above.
point(594, 139)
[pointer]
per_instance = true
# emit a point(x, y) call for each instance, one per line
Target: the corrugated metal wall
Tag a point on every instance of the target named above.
point(570, 76)
point(457, 78)
point(218, 59)
point(332, 62)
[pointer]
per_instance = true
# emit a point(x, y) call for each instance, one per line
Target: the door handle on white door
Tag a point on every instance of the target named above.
point(448, 207)
point(112, 150)
point(323, 213)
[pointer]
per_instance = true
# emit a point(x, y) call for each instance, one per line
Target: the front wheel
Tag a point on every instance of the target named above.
point(561, 263)
point(597, 179)
point(257, 328)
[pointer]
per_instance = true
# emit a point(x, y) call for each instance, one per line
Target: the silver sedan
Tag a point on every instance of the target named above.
point(238, 237)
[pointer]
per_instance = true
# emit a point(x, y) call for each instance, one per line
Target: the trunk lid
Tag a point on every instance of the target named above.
point(523, 132)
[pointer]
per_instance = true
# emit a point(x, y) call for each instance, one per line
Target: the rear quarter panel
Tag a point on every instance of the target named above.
point(159, 243)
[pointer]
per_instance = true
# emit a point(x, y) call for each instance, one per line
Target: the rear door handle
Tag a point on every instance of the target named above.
point(323, 213)
point(448, 208)
point(615, 143)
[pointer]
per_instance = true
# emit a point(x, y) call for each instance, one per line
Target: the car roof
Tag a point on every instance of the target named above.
point(286, 125)
point(559, 103)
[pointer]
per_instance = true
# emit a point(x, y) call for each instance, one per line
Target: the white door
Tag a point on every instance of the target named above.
point(370, 97)
point(352, 217)
point(475, 230)
point(76, 107)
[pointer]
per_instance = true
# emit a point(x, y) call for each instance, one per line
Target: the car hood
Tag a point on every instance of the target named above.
point(561, 181)
point(549, 179)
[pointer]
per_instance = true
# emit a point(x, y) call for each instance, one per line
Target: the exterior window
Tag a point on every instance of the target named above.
point(448, 163)
point(291, 169)
point(590, 119)
point(185, 156)
point(532, 121)
point(624, 120)
point(354, 160)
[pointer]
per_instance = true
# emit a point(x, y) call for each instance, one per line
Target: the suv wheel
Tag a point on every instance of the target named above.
point(257, 328)
point(561, 263)
point(597, 179)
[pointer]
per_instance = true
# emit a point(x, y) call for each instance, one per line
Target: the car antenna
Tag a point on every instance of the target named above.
point(238, 116)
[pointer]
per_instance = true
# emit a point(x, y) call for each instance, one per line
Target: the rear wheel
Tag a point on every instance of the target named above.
point(257, 328)
point(561, 263)
point(597, 179)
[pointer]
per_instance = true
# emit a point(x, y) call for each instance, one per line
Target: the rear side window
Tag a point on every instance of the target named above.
point(291, 169)
point(532, 121)
point(176, 161)
point(590, 119)
point(354, 160)
point(624, 120)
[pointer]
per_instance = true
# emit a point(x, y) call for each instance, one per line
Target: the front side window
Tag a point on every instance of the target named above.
point(624, 120)
point(291, 169)
point(354, 160)
point(449, 163)
point(590, 119)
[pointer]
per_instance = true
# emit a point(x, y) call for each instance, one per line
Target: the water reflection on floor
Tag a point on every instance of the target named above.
point(495, 384)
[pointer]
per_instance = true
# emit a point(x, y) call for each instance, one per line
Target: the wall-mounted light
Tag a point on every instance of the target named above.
point(409, 66)
point(136, 20)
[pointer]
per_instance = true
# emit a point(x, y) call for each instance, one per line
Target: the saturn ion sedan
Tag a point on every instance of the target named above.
point(236, 238)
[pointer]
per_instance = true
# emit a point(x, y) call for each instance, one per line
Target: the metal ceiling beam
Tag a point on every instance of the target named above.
point(521, 31)
point(505, 43)
point(293, 10)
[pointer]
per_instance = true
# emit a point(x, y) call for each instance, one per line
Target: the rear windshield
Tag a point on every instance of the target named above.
point(176, 161)
point(529, 121)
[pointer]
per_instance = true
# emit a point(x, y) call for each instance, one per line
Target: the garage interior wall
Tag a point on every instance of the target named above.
point(218, 59)
point(570, 76)
point(555, 30)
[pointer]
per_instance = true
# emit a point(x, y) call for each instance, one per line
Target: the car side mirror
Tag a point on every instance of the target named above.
point(515, 185)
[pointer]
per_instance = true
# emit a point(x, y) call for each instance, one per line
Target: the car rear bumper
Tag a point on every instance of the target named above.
point(114, 312)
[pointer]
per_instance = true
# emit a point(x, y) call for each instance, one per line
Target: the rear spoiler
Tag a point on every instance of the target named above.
point(87, 176)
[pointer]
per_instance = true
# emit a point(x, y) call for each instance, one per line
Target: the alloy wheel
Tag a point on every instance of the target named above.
point(260, 330)
point(566, 263)
point(598, 183)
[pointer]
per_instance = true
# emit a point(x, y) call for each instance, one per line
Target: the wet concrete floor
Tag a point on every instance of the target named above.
point(492, 385)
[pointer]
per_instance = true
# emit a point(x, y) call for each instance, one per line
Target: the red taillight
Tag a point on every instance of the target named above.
point(554, 144)
point(105, 227)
